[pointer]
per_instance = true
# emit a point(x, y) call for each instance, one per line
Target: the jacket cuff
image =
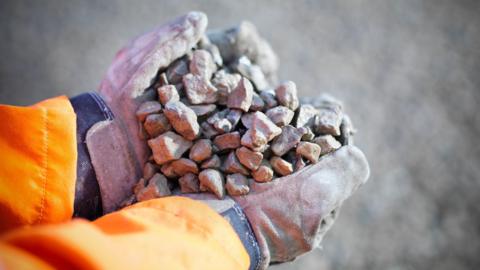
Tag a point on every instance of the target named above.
point(240, 224)
point(90, 109)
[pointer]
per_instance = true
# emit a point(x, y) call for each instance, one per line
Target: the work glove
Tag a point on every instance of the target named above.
point(114, 145)
point(276, 221)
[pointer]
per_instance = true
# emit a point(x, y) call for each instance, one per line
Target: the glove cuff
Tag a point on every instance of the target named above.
point(89, 109)
point(240, 224)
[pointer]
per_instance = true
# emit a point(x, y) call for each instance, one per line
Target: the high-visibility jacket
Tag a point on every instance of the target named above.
point(37, 188)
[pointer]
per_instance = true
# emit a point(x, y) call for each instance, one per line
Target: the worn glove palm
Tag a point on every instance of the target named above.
point(289, 215)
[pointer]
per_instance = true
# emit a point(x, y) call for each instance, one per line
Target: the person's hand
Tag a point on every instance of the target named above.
point(116, 150)
point(290, 215)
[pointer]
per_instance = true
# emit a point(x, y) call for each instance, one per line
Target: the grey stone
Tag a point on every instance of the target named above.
point(281, 166)
point(287, 95)
point(183, 119)
point(346, 131)
point(199, 90)
point(146, 108)
point(249, 158)
point(201, 150)
point(202, 64)
point(183, 166)
point(269, 98)
point(280, 115)
point(306, 116)
point(177, 70)
point(327, 144)
point(189, 183)
point(149, 170)
point(310, 151)
point(287, 140)
point(252, 72)
point(208, 131)
point(328, 121)
point(257, 103)
point(227, 141)
point(237, 185)
point(168, 146)
point(225, 83)
point(167, 93)
point(203, 110)
point(232, 165)
point(212, 163)
point(213, 181)
point(241, 97)
point(157, 187)
point(156, 124)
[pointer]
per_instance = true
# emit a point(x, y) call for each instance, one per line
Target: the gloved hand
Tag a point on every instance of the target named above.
point(288, 216)
point(116, 150)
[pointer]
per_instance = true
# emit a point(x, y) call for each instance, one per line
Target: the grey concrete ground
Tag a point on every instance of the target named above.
point(408, 71)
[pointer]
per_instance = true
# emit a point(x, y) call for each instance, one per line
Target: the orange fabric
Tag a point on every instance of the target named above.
point(167, 233)
point(38, 163)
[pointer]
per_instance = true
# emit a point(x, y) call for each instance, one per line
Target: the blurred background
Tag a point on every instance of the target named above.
point(407, 71)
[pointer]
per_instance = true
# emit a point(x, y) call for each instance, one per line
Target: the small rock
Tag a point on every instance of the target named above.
point(249, 158)
point(189, 183)
point(257, 103)
point(264, 173)
point(140, 185)
point(280, 115)
point(208, 131)
point(168, 146)
point(177, 70)
point(287, 95)
point(183, 119)
point(157, 187)
point(233, 116)
point(146, 108)
point(310, 151)
point(232, 165)
point(346, 131)
point(306, 116)
point(241, 97)
point(212, 163)
point(183, 166)
point(281, 166)
point(299, 163)
point(199, 90)
point(201, 150)
point(308, 134)
point(213, 181)
point(247, 120)
point(202, 64)
point(254, 140)
point(203, 110)
point(223, 126)
point(237, 184)
point(213, 50)
point(251, 72)
point(328, 121)
point(225, 83)
point(142, 133)
point(327, 144)
point(156, 124)
point(168, 170)
point(227, 141)
point(162, 79)
point(269, 98)
point(288, 139)
point(149, 170)
point(263, 124)
point(167, 93)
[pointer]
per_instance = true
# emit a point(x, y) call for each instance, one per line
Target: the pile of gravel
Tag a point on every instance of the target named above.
point(216, 123)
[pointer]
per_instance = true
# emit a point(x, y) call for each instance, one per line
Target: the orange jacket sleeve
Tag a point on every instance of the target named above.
point(37, 181)
point(38, 163)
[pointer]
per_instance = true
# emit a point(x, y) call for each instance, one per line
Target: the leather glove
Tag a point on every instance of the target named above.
point(290, 215)
point(116, 151)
